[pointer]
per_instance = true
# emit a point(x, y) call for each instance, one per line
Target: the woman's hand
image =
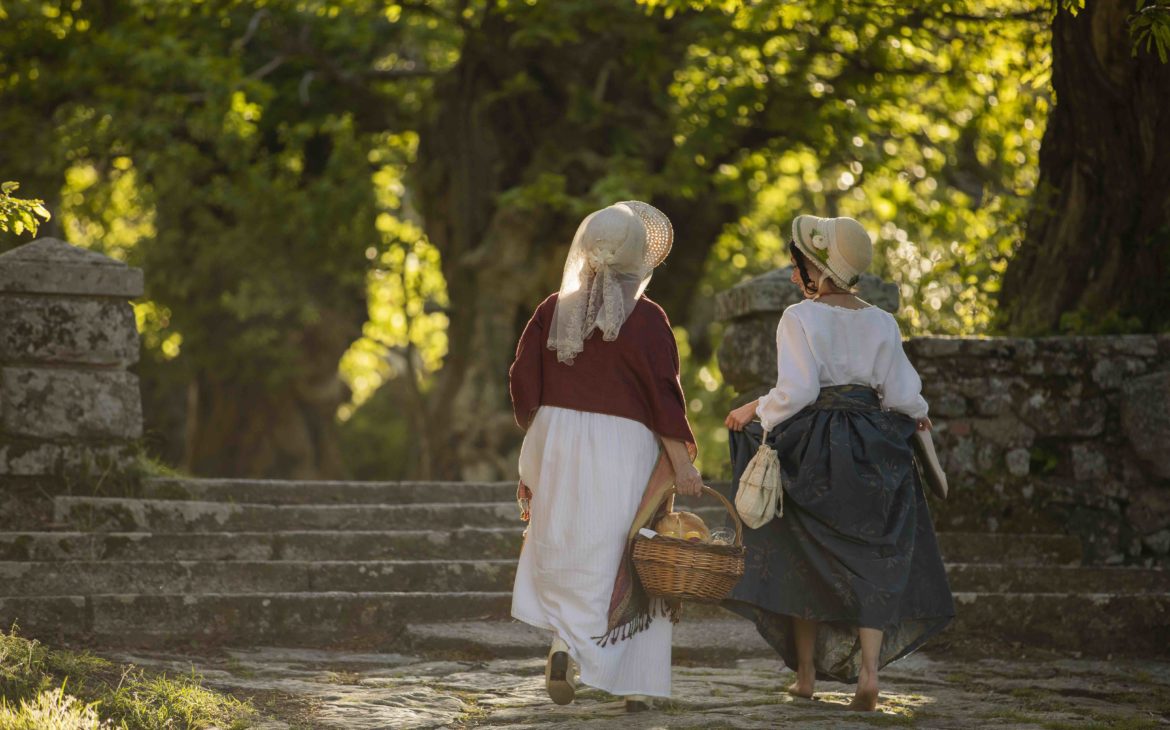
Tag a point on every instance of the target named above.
point(741, 416)
point(924, 424)
point(687, 481)
point(524, 501)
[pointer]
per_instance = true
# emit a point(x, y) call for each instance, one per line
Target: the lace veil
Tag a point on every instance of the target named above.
point(613, 256)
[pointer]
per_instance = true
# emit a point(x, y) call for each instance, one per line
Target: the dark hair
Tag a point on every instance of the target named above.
point(801, 266)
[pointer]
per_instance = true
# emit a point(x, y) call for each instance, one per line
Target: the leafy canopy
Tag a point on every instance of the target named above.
point(255, 156)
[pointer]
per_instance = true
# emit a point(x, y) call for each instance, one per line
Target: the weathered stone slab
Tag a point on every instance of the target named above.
point(51, 266)
point(87, 577)
point(277, 491)
point(156, 577)
point(772, 292)
point(481, 542)
point(65, 330)
point(136, 546)
point(1145, 418)
point(189, 516)
point(24, 458)
point(312, 618)
point(55, 578)
point(65, 404)
point(46, 618)
point(747, 357)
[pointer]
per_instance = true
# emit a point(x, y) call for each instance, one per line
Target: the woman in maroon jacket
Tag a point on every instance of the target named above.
point(605, 423)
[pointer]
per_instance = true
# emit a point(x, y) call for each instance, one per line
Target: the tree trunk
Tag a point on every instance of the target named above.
point(1096, 256)
point(256, 431)
point(503, 254)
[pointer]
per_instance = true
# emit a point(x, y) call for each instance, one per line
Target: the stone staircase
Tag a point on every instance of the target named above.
point(422, 566)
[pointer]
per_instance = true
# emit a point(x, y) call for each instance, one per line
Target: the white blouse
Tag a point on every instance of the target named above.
point(820, 345)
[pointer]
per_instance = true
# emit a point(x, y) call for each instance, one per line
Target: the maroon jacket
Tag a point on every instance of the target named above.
point(635, 376)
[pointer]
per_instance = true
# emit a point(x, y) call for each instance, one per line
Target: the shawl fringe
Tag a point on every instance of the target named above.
point(671, 609)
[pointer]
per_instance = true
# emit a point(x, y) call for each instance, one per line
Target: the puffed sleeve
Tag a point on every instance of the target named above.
point(525, 375)
point(797, 381)
point(668, 404)
point(902, 388)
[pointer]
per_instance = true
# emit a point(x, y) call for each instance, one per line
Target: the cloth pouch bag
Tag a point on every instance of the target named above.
point(760, 497)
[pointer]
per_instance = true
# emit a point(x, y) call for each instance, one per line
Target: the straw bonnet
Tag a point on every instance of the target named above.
point(610, 262)
point(659, 232)
point(838, 246)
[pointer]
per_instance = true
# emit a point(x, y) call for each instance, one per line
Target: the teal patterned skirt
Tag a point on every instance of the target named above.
point(855, 546)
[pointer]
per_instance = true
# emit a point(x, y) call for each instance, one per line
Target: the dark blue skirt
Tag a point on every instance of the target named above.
point(855, 546)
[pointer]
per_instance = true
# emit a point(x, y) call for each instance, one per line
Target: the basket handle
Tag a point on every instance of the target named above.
point(726, 505)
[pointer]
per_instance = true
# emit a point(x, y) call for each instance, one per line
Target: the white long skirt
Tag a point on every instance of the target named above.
point(587, 473)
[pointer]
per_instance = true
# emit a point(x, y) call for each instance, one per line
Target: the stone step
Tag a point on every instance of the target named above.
point(711, 641)
point(278, 491)
point(1098, 623)
point(248, 576)
point(121, 514)
point(169, 516)
point(487, 543)
point(453, 544)
point(156, 515)
point(274, 491)
point(994, 578)
point(310, 619)
point(1010, 548)
point(244, 577)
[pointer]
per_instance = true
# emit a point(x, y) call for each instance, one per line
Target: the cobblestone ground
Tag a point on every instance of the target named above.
point(300, 688)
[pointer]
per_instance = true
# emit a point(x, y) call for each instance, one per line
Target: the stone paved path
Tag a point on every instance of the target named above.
point(302, 688)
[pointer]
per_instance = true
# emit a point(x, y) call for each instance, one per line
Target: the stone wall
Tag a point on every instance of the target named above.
point(1054, 434)
point(70, 412)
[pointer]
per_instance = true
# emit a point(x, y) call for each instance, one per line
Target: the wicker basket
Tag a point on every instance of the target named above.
point(674, 568)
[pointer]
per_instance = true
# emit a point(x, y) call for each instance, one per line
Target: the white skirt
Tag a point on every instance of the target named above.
point(587, 473)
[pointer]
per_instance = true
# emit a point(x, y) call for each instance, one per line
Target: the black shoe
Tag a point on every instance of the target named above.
point(559, 679)
point(637, 704)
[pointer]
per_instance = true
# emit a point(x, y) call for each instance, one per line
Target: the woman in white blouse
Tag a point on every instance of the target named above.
point(850, 577)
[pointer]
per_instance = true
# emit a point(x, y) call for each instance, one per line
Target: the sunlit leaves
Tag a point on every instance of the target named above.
point(20, 215)
point(406, 333)
point(906, 117)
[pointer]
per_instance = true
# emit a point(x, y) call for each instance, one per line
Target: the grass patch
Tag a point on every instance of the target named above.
point(47, 688)
point(51, 710)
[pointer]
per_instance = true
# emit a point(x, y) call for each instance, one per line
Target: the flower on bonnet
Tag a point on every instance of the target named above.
point(599, 259)
point(818, 241)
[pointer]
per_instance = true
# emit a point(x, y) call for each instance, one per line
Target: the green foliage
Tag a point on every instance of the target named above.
point(708, 400)
point(922, 120)
point(923, 123)
point(256, 158)
point(19, 215)
point(1149, 27)
point(222, 146)
point(1083, 322)
point(47, 688)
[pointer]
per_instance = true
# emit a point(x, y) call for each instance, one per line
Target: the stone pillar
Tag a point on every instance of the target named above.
point(751, 311)
point(70, 412)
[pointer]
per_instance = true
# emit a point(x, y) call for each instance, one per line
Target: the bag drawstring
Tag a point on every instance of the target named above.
point(780, 498)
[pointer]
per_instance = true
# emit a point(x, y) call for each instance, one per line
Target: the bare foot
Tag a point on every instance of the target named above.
point(803, 686)
point(866, 697)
